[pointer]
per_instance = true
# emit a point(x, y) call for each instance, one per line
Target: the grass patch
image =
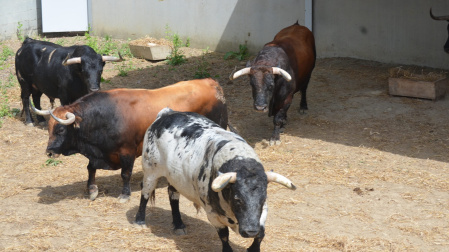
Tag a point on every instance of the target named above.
point(242, 54)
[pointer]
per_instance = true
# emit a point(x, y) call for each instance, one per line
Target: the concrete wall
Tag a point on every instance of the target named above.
point(399, 31)
point(219, 25)
point(27, 12)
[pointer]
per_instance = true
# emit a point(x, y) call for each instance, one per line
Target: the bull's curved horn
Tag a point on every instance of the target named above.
point(223, 180)
point(235, 75)
point(280, 71)
point(71, 61)
point(70, 118)
point(112, 58)
point(274, 177)
point(438, 18)
point(39, 112)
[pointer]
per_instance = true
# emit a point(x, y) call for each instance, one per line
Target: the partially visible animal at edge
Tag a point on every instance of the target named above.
point(282, 68)
point(107, 127)
point(446, 45)
point(214, 168)
point(67, 73)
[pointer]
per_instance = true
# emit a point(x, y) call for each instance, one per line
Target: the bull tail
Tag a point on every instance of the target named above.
point(232, 129)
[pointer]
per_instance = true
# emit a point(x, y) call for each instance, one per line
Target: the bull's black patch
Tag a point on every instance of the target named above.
point(167, 121)
point(193, 131)
point(220, 145)
point(205, 165)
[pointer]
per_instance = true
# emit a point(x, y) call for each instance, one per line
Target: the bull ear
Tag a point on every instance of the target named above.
point(223, 180)
point(69, 61)
point(77, 122)
point(249, 63)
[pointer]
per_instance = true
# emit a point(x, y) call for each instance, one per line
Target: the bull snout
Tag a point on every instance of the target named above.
point(249, 233)
point(51, 154)
point(263, 107)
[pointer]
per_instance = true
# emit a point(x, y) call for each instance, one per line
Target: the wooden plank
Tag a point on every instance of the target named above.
point(432, 90)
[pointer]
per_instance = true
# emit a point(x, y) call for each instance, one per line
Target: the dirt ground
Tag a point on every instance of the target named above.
point(371, 170)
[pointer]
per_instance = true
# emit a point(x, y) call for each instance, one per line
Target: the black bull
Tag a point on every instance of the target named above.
point(67, 73)
point(446, 45)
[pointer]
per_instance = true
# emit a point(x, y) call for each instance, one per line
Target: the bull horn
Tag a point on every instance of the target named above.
point(70, 118)
point(274, 177)
point(39, 112)
point(223, 180)
point(112, 58)
point(280, 71)
point(235, 75)
point(71, 61)
point(438, 18)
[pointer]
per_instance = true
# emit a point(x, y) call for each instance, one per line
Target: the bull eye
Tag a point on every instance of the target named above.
point(60, 130)
point(237, 200)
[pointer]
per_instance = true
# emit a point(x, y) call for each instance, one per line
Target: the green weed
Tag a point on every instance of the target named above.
point(52, 162)
point(242, 54)
point(177, 56)
point(124, 68)
point(20, 35)
point(202, 71)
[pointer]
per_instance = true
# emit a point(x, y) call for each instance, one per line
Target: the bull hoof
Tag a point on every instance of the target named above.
point(140, 225)
point(275, 142)
point(93, 192)
point(30, 124)
point(179, 232)
point(302, 111)
point(123, 198)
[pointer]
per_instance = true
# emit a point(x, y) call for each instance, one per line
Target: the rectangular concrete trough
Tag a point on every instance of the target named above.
point(432, 90)
point(151, 51)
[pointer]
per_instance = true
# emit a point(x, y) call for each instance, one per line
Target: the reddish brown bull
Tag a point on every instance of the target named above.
point(282, 68)
point(108, 127)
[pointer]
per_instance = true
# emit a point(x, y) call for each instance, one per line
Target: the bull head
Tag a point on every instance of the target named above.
point(262, 83)
point(224, 179)
point(446, 45)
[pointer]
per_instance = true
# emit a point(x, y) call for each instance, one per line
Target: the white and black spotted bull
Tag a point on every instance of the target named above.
point(446, 45)
point(214, 168)
point(66, 73)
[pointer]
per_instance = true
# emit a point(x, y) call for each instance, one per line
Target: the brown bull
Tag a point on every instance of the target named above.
point(282, 68)
point(108, 127)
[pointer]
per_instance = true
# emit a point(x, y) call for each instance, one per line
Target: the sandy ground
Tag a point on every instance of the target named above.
point(371, 170)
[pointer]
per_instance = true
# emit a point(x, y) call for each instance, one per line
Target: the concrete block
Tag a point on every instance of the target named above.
point(151, 51)
point(432, 90)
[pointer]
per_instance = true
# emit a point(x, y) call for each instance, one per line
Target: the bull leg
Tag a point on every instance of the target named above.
point(91, 186)
point(223, 233)
point(148, 186)
point(179, 226)
point(36, 94)
point(25, 95)
point(255, 246)
point(279, 121)
point(127, 163)
point(303, 104)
